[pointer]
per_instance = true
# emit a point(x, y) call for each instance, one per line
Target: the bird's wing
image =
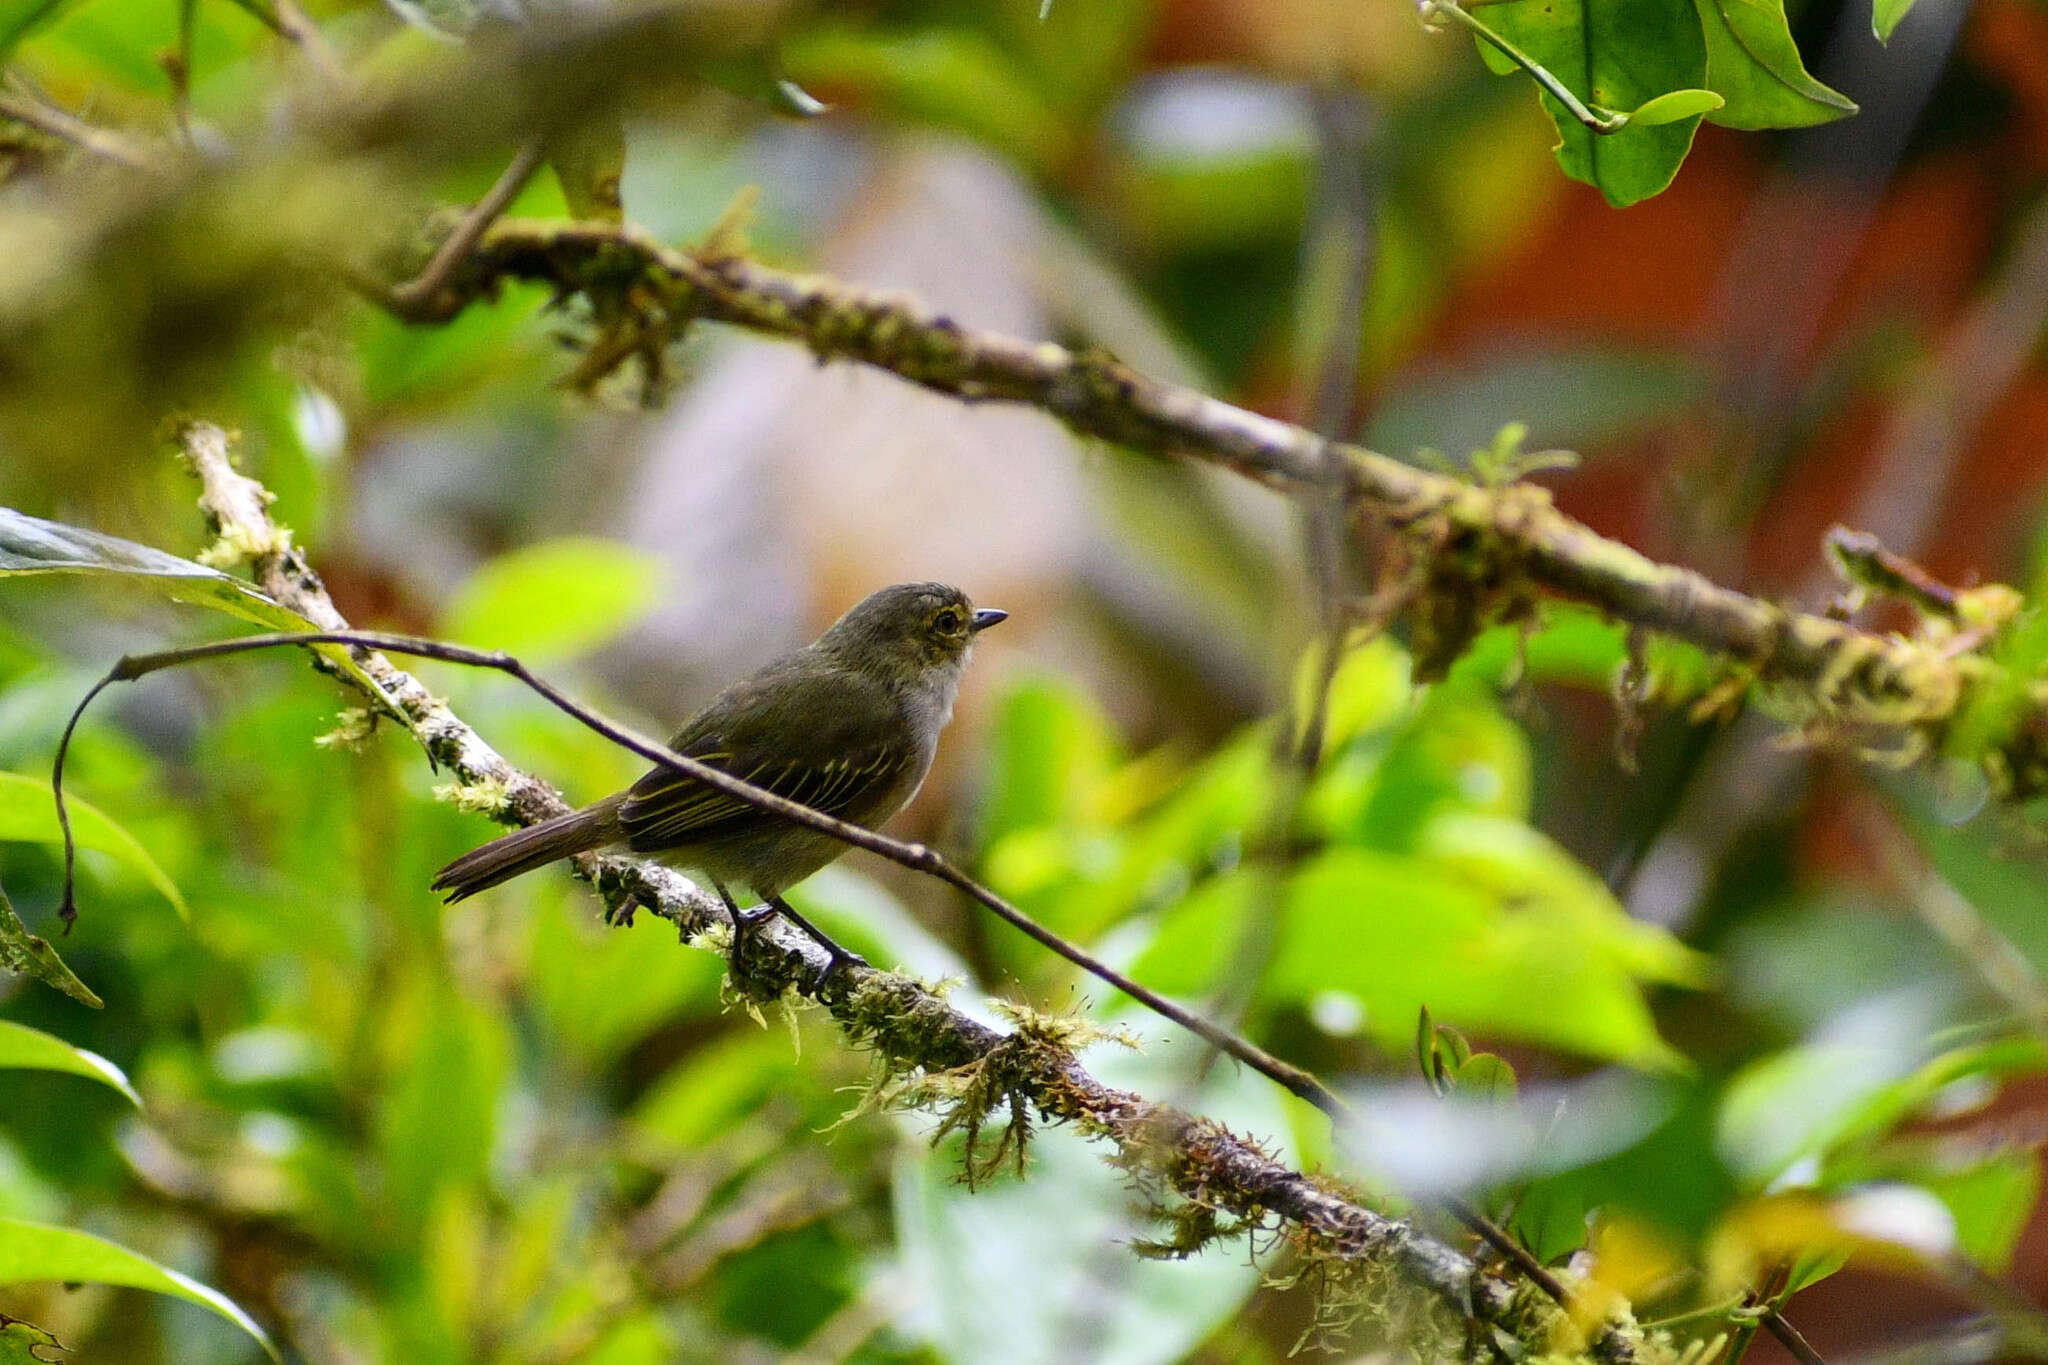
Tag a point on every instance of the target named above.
point(820, 740)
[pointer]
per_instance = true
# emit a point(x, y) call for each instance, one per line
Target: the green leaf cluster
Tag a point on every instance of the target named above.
point(1652, 69)
point(1411, 878)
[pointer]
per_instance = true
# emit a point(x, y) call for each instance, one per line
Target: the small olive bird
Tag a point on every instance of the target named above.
point(846, 725)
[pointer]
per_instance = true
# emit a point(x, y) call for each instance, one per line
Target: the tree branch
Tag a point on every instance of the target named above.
point(46, 118)
point(906, 1023)
point(1487, 550)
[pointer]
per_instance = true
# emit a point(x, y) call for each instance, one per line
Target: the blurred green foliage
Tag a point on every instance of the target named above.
point(394, 1132)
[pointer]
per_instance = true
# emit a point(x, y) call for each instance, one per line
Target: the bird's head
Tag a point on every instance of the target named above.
point(910, 630)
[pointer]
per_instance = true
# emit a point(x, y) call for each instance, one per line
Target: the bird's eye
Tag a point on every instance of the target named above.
point(947, 622)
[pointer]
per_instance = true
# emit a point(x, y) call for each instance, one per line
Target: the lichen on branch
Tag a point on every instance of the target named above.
point(936, 1053)
point(1487, 551)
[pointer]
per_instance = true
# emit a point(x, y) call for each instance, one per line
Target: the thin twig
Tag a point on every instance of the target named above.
point(917, 857)
point(68, 127)
point(177, 65)
point(297, 28)
point(422, 294)
point(1788, 1337)
point(1609, 122)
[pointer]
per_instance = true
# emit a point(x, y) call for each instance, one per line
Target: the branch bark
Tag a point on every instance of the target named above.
point(1504, 544)
point(909, 1025)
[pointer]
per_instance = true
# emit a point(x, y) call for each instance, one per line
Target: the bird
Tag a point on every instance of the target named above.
point(847, 725)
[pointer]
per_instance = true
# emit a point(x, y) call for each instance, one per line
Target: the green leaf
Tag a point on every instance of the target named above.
point(1673, 106)
point(1398, 932)
point(24, 1343)
point(1885, 16)
point(1550, 1216)
point(590, 161)
point(758, 75)
point(1992, 1202)
point(1753, 63)
point(1524, 869)
point(31, 955)
point(599, 989)
point(1836, 1092)
point(30, 545)
point(445, 18)
point(28, 814)
point(1612, 54)
point(1814, 1266)
point(1051, 754)
point(555, 599)
point(1569, 645)
point(950, 77)
point(21, 1046)
point(1456, 753)
point(36, 1251)
point(1486, 1077)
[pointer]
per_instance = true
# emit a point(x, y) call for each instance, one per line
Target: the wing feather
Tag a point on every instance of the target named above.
point(814, 739)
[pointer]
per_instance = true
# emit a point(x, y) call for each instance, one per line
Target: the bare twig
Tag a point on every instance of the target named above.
point(68, 127)
point(297, 28)
point(917, 857)
point(422, 295)
point(1788, 1337)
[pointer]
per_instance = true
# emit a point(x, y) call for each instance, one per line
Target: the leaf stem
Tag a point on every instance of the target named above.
point(1608, 122)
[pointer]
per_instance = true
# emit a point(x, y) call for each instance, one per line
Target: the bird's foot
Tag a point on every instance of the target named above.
point(620, 915)
point(838, 959)
point(745, 922)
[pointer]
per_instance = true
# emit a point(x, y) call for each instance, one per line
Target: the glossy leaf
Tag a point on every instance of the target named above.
point(22, 1046)
point(1676, 105)
point(1991, 1201)
point(36, 1251)
point(1484, 1076)
point(759, 76)
point(1754, 65)
point(28, 814)
point(31, 545)
point(448, 18)
point(1885, 16)
point(1613, 55)
point(590, 161)
point(1399, 932)
point(1851, 1085)
point(555, 599)
point(1550, 1216)
point(24, 1343)
point(31, 955)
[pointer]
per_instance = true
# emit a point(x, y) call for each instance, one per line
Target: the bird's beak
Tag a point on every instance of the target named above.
point(988, 616)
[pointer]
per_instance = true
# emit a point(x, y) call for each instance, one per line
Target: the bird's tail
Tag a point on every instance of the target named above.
point(523, 850)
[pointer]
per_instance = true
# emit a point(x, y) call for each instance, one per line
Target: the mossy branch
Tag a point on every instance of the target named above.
point(1507, 542)
point(914, 1032)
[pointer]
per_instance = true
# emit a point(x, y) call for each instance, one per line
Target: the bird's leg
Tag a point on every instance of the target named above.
point(842, 958)
point(743, 923)
point(620, 914)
